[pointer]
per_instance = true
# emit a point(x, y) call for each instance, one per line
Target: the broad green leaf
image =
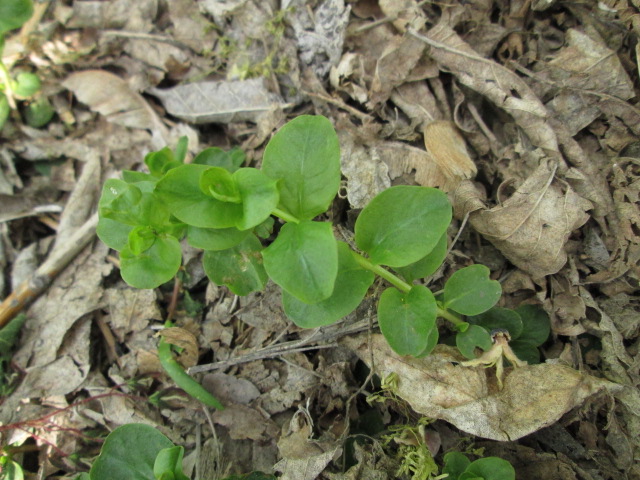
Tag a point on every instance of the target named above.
point(303, 260)
point(259, 196)
point(427, 264)
point(305, 156)
point(406, 319)
point(12, 471)
point(535, 325)
point(470, 291)
point(432, 341)
point(239, 268)
point(39, 112)
point(455, 463)
point(402, 224)
point(489, 468)
point(9, 334)
point(525, 351)
point(473, 337)
point(180, 190)
point(218, 183)
point(14, 13)
point(131, 204)
point(131, 176)
point(350, 287)
point(182, 147)
point(153, 267)
point(161, 162)
point(141, 239)
point(26, 85)
point(113, 234)
point(498, 317)
point(215, 238)
point(169, 460)
point(216, 157)
point(129, 452)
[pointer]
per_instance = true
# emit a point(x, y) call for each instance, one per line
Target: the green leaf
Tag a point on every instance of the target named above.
point(153, 267)
point(432, 341)
point(259, 195)
point(407, 319)
point(141, 239)
point(5, 110)
point(490, 468)
point(240, 268)
point(471, 338)
point(428, 264)
point(39, 112)
point(131, 204)
point(161, 162)
point(215, 238)
point(535, 325)
point(525, 351)
point(470, 291)
point(129, 452)
point(169, 460)
point(131, 176)
point(26, 85)
point(498, 317)
point(9, 334)
point(216, 157)
point(113, 234)
point(14, 13)
point(352, 283)
point(303, 260)
point(180, 190)
point(265, 229)
point(218, 183)
point(305, 156)
point(402, 224)
point(455, 463)
point(12, 471)
point(181, 149)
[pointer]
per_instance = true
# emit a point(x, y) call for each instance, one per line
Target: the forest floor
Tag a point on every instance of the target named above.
point(524, 112)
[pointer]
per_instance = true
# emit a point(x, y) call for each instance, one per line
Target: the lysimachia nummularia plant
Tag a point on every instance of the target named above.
point(228, 211)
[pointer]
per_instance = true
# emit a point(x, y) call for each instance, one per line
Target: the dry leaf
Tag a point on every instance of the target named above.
point(184, 339)
point(533, 225)
point(111, 96)
point(448, 149)
point(220, 102)
point(533, 397)
point(230, 389)
point(245, 423)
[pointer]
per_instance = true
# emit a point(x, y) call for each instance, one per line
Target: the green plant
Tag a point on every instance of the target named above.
point(25, 86)
point(459, 467)
point(9, 468)
point(226, 210)
point(139, 452)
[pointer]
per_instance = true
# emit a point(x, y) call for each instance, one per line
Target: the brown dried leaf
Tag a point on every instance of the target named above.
point(533, 396)
point(184, 339)
point(130, 310)
point(448, 149)
point(246, 423)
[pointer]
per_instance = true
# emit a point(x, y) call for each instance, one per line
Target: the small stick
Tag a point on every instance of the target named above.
point(44, 275)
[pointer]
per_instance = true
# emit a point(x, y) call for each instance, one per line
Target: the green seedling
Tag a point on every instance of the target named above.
point(229, 210)
point(459, 467)
point(140, 452)
point(25, 86)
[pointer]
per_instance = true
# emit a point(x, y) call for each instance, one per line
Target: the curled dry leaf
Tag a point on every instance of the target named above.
point(184, 339)
point(437, 386)
point(533, 225)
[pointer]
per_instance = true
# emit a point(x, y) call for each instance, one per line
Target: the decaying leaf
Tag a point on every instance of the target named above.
point(245, 422)
point(184, 339)
point(111, 96)
point(533, 225)
point(448, 149)
point(437, 386)
point(221, 102)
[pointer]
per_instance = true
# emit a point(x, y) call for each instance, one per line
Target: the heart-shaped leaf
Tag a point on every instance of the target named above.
point(14, 13)
point(470, 291)
point(455, 463)
point(407, 319)
point(352, 283)
point(216, 157)
point(153, 267)
point(305, 156)
point(473, 337)
point(168, 464)
point(402, 224)
point(303, 260)
point(428, 264)
point(498, 317)
point(489, 468)
point(535, 325)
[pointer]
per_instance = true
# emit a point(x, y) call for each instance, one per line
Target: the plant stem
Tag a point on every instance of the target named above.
point(5, 79)
point(285, 216)
point(386, 274)
point(447, 315)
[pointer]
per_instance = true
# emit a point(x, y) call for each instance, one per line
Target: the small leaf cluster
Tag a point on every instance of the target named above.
point(228, 211)
point(138, 451)
point(25, 86)
point(459, 467)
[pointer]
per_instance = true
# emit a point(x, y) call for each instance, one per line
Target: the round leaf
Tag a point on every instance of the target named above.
point(259, 196)
point(216, 157)
point(14, 13)
point(27, 85)
point(239, 268)
point(350, 288)
point(498, 317)
point(303, 260)
point(180, 190)
point(427, 264)
point(454, 464)
point(402, 224)
point(525, 351)
point(114, 234)
point(39, 112)
point(215, 238)
point(490, 468)
point(129, 452)
point(470, 291)
point(535, 325)
point(153, 267)
point(432, 341)
point(219, 183)
point(471, 338)
point(407, 319)
point(305, 156)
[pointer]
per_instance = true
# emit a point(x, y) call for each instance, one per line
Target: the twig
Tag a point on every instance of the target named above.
point(44, 275)
point(340, 104)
